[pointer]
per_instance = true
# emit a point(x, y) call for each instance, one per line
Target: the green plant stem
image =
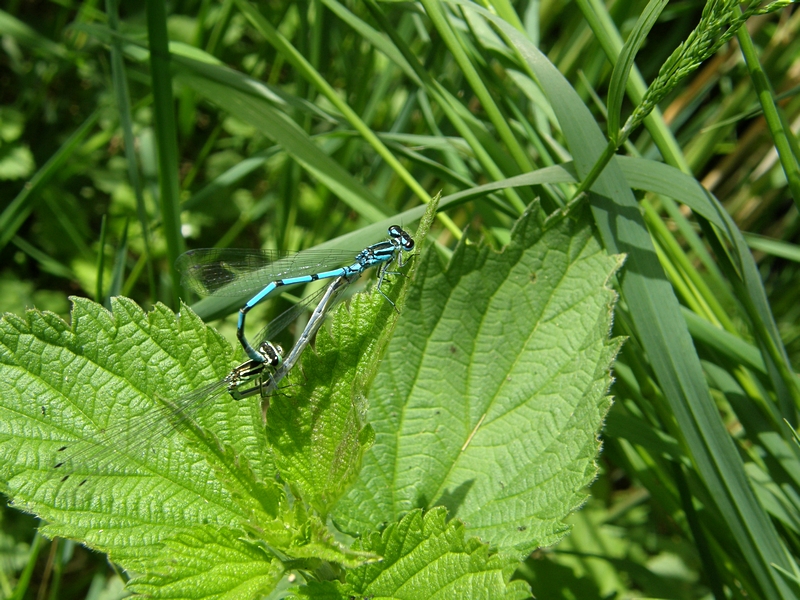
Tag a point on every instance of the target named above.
point(597, 169)
point(25, 578)
point(776, 125)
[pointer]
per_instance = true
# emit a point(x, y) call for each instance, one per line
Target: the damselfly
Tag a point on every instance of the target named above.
point(231, 272)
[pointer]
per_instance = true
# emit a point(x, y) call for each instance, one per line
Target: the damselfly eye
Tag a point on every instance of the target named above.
point(271, 353)
point(398, 233)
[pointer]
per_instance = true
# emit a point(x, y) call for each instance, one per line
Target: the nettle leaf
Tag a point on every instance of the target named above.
point(318, 433)
point(79, 388)
point(426, 557)
point(90, 444)
point(85, 396)
point(209, 563)
point(494, 387)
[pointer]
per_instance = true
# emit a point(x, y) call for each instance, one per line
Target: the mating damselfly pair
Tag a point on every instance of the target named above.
point(213, 271)
point(226, 272)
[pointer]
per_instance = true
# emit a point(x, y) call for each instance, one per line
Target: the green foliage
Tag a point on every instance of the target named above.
point(77, 458)
point(143, 501)
point(505, 438)
point(298, 125)
point(426, 557)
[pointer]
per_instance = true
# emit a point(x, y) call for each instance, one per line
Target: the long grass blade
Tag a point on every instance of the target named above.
point(166, 135)
point(120, 82)
point(15, 214)
point(662, 330)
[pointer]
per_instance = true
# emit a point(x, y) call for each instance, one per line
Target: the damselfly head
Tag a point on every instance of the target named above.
point(272, 353)
point(402, 237)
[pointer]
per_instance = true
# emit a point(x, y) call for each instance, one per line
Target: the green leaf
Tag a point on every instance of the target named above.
point(86, 395)
point(426, 557)
point(662, 333)
point(210, 563)
point(319, 434)
point(493, 389)
point(16, 162)
point(90, 382)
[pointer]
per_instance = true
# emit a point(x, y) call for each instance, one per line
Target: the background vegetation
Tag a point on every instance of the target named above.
point(698, 491)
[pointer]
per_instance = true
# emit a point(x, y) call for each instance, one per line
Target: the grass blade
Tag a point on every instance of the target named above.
point(20, 207)
point(167, 137)
point(126, 121)
point(662, 331)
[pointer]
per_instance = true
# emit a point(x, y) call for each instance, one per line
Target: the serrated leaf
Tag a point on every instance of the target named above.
point(209, 564)
point(318, 433)
point(426, 557)
point(81, 386)
point(493, 388)
point(78, 390)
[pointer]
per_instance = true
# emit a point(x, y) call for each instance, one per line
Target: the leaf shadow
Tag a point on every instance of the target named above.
point(453, 499)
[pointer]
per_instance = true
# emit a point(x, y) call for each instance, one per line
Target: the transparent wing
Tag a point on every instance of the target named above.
point(233, 272)
point(283, 320)
point(139, 434)
point(328, 298)
point(132, 436)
